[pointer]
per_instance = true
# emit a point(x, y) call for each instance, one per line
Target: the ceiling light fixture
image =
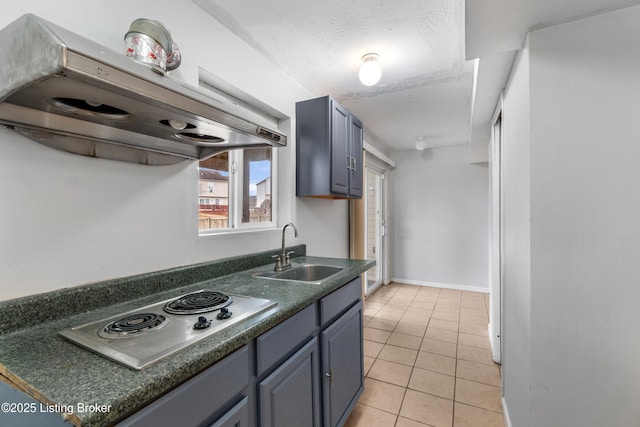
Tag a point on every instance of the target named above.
point(370, 70)
point(420, 143)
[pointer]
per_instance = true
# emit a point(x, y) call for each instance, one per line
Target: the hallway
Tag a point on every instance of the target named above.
point(427, 360)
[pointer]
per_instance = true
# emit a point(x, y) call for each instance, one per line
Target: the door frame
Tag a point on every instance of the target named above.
point(496, 227)
point(357, 228)
point(381, 227)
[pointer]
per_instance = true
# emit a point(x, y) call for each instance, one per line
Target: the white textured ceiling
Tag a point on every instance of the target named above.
point(427, 82)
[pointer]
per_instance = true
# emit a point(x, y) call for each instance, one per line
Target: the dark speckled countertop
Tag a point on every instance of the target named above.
point(55, 371)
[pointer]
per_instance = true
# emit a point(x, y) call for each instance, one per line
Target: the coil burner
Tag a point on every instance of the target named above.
point(135, 324)
point(198, 302)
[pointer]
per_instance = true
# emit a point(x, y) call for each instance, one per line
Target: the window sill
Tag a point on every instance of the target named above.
point(235, 232)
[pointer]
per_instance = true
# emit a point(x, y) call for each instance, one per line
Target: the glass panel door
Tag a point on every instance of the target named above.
point(375, 228)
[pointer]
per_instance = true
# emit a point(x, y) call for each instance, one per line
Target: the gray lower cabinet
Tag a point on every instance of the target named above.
point(305, 372)
point(290, 396)
point(204, 400)
point(342, 365)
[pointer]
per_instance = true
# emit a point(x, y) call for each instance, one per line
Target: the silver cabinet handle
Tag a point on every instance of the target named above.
point(330, 376)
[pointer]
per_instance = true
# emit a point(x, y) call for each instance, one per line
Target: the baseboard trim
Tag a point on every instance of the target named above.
point(440, 285)
point(505, 412)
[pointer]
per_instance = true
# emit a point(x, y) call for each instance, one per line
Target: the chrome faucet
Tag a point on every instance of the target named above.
point(283, 261)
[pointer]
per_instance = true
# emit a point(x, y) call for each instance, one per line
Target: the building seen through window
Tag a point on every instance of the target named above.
point(234, 189)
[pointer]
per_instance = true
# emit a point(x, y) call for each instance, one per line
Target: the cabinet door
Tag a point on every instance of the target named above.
point(290, 396)
point(340, 157)
point(342, 366)
point(355, 150)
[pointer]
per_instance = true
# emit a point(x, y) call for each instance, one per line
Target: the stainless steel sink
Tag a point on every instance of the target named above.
point(308, 273)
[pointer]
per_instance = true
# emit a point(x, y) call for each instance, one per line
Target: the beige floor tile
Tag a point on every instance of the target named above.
point(377, 335)
point(406, 422)
point(448, 307)
point(444, 324)
point(373, 305)
point(477, 394)
point(387, 325)
point(418, 319)
point(404, 356)
point(390, 372)
point(479, 312)
point(425, 408)
point(381, 395)
point(366, 319)
point(448, 299)
point(436, 362)
point(439, 347)
point(366, 416)
point(442, 335)
point(388, 315)
point(473, 301)
point(478, 372)
point(372, 348)
point(404, 340)
point(475, 354)
point(368, 363)
point(429, 296)
point(402, 301)
point(408, 290)
point(429, 290)
point(432, 382)
point(423, 304)
point(469, 416)
point(396, 307)
point(475, 320)
point(411, 329)
point(420, 312)
point(370, 312)
point(474, 340)
point(450, 316)
point(469, 328)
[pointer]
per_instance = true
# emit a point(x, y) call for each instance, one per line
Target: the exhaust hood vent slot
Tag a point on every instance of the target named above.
point(266, 133)
point(200, 139)
point(90, 108)
point(86, 99)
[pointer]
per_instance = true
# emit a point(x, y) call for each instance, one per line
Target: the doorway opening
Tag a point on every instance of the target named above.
point(369, 224)
point(376, 228)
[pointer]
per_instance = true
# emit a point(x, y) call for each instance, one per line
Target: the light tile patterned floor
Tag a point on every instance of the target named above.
point(427, 360)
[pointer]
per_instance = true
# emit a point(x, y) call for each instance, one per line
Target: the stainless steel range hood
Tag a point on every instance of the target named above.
point(67, 92)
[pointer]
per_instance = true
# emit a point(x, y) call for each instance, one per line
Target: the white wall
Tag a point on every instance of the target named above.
point(583, 86)
point(516, 291)
point(67, 219)
point(585, 208)
point(439, 219)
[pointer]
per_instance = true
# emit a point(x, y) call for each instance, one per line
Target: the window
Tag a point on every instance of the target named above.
point(235, 190)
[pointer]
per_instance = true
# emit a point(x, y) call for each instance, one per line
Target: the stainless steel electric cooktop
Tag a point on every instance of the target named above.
point(145, 335)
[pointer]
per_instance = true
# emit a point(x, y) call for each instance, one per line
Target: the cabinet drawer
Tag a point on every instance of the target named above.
point(198, 399)
point(273, 346)
point(339, 301)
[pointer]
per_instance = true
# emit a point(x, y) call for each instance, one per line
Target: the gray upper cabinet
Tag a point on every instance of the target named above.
point(329, 150)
